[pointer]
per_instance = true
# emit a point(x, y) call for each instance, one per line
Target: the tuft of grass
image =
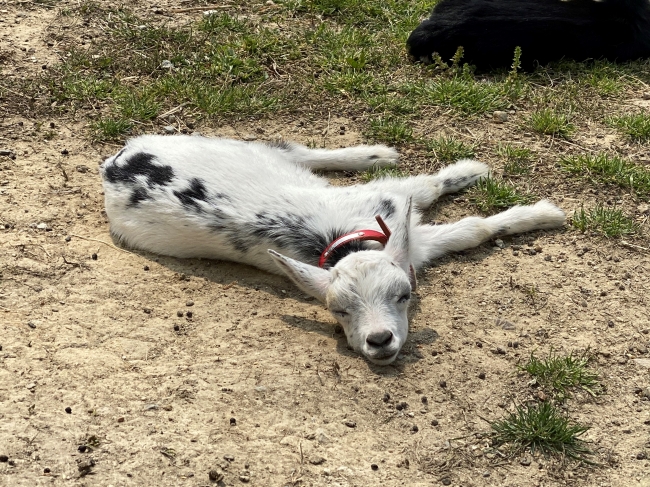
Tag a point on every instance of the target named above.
point(110, 129)
point(518, 159)
point(549, 122)
point(542, 428)
point(491, 194)
point(610, 222)
point(561, 374)
point(635, 126)
point(610, 169)
point(390, 130)
point(449, 149)
point(376, 172)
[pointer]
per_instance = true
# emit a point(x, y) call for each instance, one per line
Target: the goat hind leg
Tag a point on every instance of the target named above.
point(346, 159)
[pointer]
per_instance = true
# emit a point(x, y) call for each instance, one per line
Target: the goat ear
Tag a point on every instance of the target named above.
point(398, 245)
point(311, 279)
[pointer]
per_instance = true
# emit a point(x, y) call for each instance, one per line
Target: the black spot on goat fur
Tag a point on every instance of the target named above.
point(545, 30)
point(455, 182)
point(279, 144)
point(191, 196)
point(139, 164)
point(296, 232)
point(138, 195)
point(386, 208)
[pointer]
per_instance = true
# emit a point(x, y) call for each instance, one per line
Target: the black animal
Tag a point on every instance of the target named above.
point(546, 30)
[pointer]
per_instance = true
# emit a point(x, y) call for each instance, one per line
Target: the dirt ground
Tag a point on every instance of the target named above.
point(172, 369)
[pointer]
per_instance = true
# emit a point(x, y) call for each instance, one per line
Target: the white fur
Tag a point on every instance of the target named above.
point(261, 205)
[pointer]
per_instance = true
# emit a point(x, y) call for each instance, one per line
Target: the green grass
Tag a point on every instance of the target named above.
point(518, 159)
point(549, 122)
point(449, 149)
point(635, 126)
point(606, 168)
point(563, 374)
point(491, 195)
point(376, 172)
point(110, 129)
point(542, 429)
point(610, 222)
point(390, 130)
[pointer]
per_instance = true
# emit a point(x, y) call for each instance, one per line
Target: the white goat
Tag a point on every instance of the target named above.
point(259, 204)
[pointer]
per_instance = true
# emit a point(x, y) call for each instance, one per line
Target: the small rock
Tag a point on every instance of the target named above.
point(46, 470)
point(167, 64)
point(147, 310)
point(386, 397)
point(641, 455)
point(150, 407)
point(350, 424)
point(415, 428)
point(31, 324)
point(481, 376)
point(93, 257)
point(215, 475)
point(374, 467)
point(443, 384)
point(233, 422)
point(42, 226)
point(229, 458)
point(179, 314)
point(189, 303)
point(177, 328)
point(30, 386)
point(260, 389)
point(189, 314)
point(169, 129)
point(84, 465)
point(486, 474)
point(82, 448)
point(424, 400)
point(249, 137)
point(120, 420)
point(446, 481)
point(65, 152)
point(499, 243)
point(82, 169)
point(68, 238)
point(500, 116)
point(434, 422)
point(498, 351)
point(68, 410)
point(4, 458)
point(245, 478)
point(5, 152)
point(145, 268)
point(317, 460)
point(526, 461)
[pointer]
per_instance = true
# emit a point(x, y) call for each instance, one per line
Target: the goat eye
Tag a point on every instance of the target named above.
point(404, 298)
point(340, 313)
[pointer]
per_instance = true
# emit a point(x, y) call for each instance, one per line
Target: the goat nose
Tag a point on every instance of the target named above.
point(380, 338)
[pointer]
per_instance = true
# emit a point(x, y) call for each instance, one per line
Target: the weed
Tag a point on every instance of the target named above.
point(390, 130)
point(518, 159)
point(376, 172)
point(449, 149)
point(491, 194)
point(563, 374)
point(549, 122)
point(110, 129)
point(610, 222)
point(635, 126)
point(542, 428)
point(607, 168)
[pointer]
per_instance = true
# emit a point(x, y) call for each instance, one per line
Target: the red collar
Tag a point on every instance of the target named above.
point(359, 235)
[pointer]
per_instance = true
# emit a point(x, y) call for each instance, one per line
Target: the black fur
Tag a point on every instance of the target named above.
point(191, 196)
point(386, 208)
point(139, 164)
point(138, 195)
point(546, 30)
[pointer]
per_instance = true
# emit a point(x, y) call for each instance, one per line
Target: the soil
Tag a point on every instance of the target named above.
point(257, 386)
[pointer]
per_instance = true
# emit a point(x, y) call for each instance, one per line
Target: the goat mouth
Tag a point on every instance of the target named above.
point(383, 359)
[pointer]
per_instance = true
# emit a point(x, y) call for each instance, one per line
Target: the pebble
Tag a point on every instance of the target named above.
point(189, 303)
point(641, 455)
point(424, 400)
point(229, 458)
point(149, 407)
point(68, 238)
point(481, 376)
point(42, 226)
point(167, 64)
point(350, 424)
point(525, 461)
point(120, 420)
point(4, 458)
point(215, 475)
point(499, 243)
point(84, 465)
point(233, 422)
point(374, 466)
point(401, 405)
point(317, 460)
point(93, 257)
point(146, 268)
point(260, 389)
point(434, 422)
point(82, 448)
point(169, 129)
point(245, 478)
point(68, 410)
point(179, 314)
point(65, 152)
point(486, 474)
point(4, 152)
point(415, 428)
point(446, 481)
point(500, 116)
point(30, 386)
point(177, 328)
point(46, 470)
point(189, 314)
point(31, 324)
point(443, 384)
point(386, 397)
point(249, 137)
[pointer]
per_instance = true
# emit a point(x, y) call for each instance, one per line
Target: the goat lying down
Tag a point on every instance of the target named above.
point(260, 204)
point(546, 30)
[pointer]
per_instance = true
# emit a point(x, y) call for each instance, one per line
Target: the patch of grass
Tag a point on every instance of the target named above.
point(376, 172)
point(468, 95)
point(542, 428)
point(607, 168)
point(390, 130)
point(449, 149)
point(610, 222)
point(491, 194)
point(635, 126)
point(562, 374)
point(549, 122)
point(518, 159)
point(110, 129)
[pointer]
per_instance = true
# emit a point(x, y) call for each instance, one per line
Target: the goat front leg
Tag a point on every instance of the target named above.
point(425, 188)
point(433, 241)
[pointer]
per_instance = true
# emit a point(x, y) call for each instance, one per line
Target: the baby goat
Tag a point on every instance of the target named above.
point(354, 248)
point(546, 30)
